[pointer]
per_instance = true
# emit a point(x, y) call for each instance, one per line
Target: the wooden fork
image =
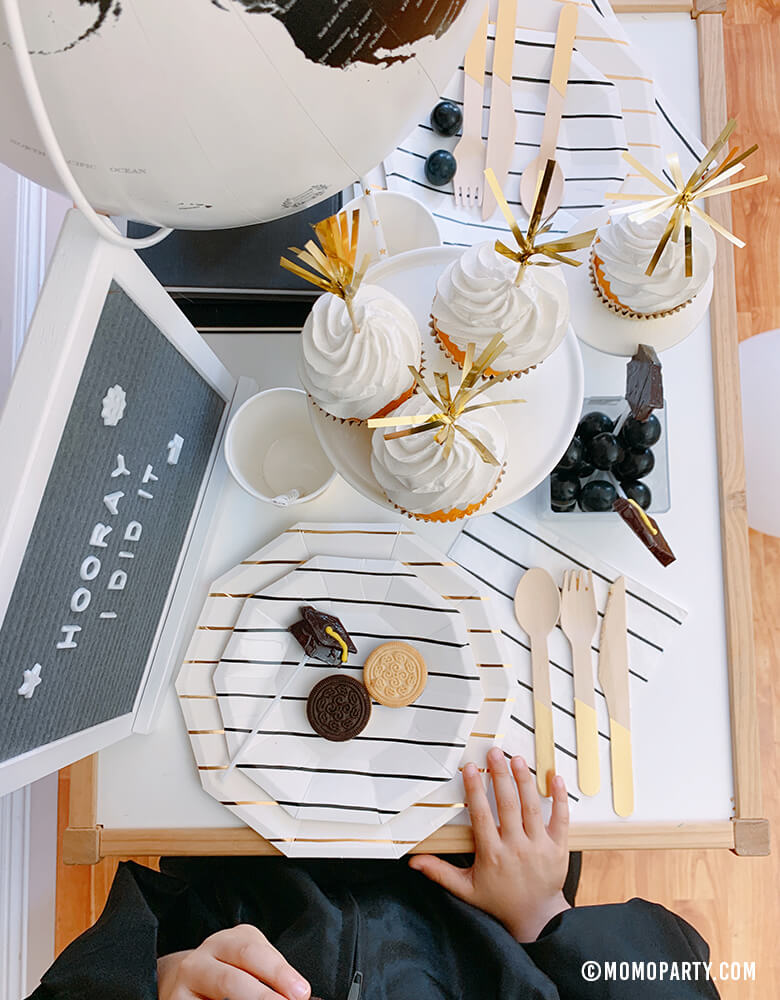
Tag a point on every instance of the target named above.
point(469, 183)
point(579, 619)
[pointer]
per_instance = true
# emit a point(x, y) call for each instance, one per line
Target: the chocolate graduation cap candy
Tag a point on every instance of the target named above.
point(645, 528)
point(644, 383)
point(322, 636)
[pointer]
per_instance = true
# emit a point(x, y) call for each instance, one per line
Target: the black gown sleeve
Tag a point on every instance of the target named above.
point(615, 934)
point(147, 914)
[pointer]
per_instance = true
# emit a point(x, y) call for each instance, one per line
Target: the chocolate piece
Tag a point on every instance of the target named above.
point(311, 632)
point(646, 530)
point(644, 383)
point(338, 708)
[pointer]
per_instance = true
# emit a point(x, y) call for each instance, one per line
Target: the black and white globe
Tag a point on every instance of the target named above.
point(204, 114)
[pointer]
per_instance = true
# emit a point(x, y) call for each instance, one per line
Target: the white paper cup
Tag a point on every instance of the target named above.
point(273, 452)
point(407, 224)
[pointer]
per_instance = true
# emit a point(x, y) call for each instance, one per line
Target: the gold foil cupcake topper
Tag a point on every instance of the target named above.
point(527, 242)
point(681, 195)
point(448, 407)
point(333, 266)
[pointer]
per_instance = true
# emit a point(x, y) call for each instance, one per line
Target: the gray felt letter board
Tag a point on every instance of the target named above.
point(85, 593)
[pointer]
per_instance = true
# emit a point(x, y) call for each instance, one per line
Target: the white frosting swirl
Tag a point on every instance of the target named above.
point(357, 375)
point(476, 297)
point(416, 476)
point(626, 247)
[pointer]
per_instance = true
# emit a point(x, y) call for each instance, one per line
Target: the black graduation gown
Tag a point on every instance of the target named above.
point(411, 939)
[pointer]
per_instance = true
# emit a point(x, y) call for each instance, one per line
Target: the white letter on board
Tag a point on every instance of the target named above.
point(32, 678)
point(70, 631)
point(99, 534)
point(112, 501)
point(133, 531)
point(145, 495)
point(118, 580)
point(80, 600)
point(121, 469)
point(174, 449)
point(90, 568)
point(149, 476)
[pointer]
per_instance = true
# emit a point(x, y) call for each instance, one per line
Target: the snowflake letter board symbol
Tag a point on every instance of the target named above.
point(108, 439)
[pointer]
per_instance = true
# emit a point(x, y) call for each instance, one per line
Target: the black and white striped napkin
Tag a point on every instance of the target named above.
point(497, 549)
point(613, 104)
point(591, 144)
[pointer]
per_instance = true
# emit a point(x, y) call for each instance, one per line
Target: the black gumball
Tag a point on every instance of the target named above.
point(597, 495)
point(584, 469)
point(440, 167)
point(636, 464)
point(593, 424)
point(604, 451)
point(638, 491)
point(572, 457)
point(563, 508)
point(641, 433)
point(446, 118)
point(564, 488)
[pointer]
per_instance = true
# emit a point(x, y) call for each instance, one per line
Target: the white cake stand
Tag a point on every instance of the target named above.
point(539, 430)
point(599, 327)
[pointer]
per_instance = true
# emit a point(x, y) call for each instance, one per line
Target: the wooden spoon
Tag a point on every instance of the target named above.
point(537, 607)
point(529, 182)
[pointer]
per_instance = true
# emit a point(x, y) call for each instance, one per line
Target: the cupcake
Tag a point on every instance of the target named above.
point(435, 481)
point(479, 295)
point(355, 356)
point(620, 256)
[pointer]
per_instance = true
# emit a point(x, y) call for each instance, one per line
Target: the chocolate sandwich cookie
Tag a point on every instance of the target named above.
point(395, 674)
point(338, 708)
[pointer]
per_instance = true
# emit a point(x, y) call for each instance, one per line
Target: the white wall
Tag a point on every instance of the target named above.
point(8, 213)
point(30, 219)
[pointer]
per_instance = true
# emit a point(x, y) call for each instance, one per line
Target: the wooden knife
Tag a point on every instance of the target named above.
point(502, 125)
point(613, 677)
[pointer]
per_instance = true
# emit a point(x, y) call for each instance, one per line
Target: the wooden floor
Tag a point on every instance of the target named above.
point(734, 902)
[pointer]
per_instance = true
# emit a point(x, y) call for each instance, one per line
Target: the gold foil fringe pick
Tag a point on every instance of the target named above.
point(537, 227)
point(333, 267)
point(450, 407)
point(681, 197)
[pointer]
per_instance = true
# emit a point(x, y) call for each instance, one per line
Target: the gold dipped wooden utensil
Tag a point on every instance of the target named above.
point(613, 677)
point(579, 619)
point(502, 123)
point(468, 185)
point(537, 607)
point(556, 96)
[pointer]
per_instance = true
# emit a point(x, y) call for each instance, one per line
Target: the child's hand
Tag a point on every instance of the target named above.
point(519, 869)
point(239, 963)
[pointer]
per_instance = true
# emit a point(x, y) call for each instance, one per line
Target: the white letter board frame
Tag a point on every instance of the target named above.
point(59, 339)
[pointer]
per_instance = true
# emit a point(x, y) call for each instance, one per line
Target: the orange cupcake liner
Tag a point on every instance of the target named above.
point(456, 513)
point(457, 356)
point(605, 294)
point(385, 411)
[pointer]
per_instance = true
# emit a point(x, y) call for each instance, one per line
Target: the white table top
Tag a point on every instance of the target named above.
point(682, 742)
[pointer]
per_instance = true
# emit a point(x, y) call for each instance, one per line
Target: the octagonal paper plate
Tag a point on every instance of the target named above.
point(403, 753)
point(254, 805)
